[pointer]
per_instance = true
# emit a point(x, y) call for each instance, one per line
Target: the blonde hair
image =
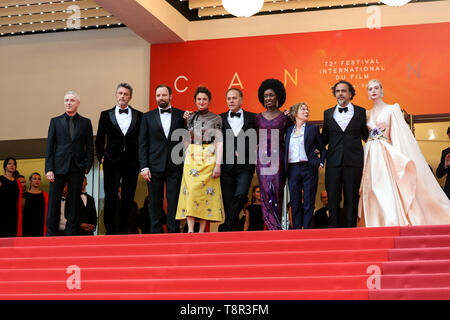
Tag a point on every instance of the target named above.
point(378, 83)
point(293, 110)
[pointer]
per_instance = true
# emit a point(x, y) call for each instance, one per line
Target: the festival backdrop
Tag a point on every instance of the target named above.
point(412, 62)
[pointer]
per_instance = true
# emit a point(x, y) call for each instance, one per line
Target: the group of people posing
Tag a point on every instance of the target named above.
point(203, 163)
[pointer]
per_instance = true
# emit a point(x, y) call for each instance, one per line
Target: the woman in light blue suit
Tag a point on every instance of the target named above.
point(303, 146)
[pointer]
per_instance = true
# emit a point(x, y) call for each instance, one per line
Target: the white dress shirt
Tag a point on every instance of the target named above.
point(166, 118)
point(236, 123)
point(123, 119)
point(343, 118)
point(297, 151)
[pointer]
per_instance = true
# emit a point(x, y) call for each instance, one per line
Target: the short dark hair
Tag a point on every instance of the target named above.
point(34, 174)
point(164, 86)
point(202, 89)
point(235, 89)
point(350, 88)
point(126, 86)
point(277, 86)
point(5, 163)
point(448, 130)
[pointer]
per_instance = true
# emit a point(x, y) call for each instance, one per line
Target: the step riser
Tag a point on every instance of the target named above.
point(192, 260)
point(192, 272)
point(410, 294)
point(186, 285)
point(416, 254)
point(229, 284)
point(205, 237)
point(415, 281)
point(416, 267)
point(227, 247)
point(422, 242)
point(255, 295)
point(205, 248)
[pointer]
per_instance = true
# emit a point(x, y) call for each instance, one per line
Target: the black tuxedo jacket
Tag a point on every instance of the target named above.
point(320, 220)
point(312, 142)
point(229, 140)
point(345, 147)
point(441, 171)
point(88, 213)
point(154, 148)
point(61, 149)
point(118, 146)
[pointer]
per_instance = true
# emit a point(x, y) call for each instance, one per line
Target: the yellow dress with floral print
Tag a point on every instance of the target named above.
point(201, 194)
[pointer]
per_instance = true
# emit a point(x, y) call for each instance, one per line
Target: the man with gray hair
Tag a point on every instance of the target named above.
point(239, 158)
point(69, 156)
point(116, 145)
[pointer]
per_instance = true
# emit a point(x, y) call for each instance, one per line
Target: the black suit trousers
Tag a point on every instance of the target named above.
point(117, 212)
point(172, 180)
point(346, 181)
point(74, 179)
point(235, 184)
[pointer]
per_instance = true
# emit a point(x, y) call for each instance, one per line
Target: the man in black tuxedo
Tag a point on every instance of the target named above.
point(444, 167)
point(343, 128)
point(117, 149)
point(69, 156)
point(158, 165)
point(238, 165)
point(88, 212)
point(320, 220)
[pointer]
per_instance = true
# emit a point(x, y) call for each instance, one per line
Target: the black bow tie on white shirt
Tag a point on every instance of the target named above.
point(123, 111)
point(235, 114)
point(166, 110)
point(343, 109)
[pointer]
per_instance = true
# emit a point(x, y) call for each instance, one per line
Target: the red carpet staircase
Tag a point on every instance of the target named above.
point(361, 263)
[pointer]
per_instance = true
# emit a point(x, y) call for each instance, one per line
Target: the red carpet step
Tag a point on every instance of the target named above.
point(409, 263)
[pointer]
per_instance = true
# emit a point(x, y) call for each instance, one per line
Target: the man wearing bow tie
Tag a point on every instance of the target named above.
point(239, 158)
point(343, 128)
point(117, 149)
point(88, 212)
point(155, 158)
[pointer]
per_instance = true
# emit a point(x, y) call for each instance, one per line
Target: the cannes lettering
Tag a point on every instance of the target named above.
point(228, 309)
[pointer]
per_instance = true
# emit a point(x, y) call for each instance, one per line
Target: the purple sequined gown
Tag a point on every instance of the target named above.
point(271, 173)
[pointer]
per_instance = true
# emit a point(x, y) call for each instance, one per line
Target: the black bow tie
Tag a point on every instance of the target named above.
point(165, 110)
point(123, 111)
point(235, 114)
point(343, 109)
point(85, 193)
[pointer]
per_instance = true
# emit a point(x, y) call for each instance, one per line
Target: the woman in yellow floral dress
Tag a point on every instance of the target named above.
point(200, 194)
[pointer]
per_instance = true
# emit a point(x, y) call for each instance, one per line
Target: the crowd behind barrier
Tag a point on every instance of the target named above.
point(204, 163)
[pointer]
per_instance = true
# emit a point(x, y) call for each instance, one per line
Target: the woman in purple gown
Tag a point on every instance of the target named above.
point(271, 125)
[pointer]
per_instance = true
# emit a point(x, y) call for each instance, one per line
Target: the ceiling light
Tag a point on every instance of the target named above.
point(395, 3)
point(241, 8)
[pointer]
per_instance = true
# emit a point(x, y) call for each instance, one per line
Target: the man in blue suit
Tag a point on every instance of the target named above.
point(303, 144)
